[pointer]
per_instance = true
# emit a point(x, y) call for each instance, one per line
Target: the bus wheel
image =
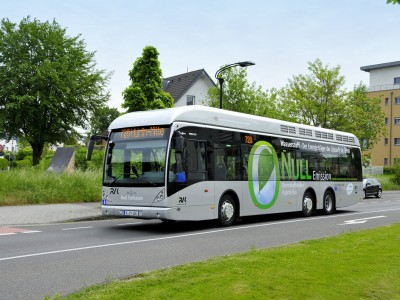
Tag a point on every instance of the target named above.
point(226, 211)
point(329, 203)
point(308, 204)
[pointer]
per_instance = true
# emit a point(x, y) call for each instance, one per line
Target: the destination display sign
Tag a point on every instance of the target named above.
point(141, 133)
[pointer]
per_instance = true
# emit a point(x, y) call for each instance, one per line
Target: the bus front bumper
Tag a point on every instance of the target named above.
point(139, 212)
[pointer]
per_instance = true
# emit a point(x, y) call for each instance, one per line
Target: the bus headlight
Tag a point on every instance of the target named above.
point(160, 196)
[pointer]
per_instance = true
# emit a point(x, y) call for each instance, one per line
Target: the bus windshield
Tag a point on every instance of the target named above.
point(136, 157)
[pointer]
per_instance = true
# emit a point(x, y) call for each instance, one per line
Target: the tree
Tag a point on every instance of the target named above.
point(393, 1)
point(48, 83)
point(319, 99)
point(145, 91)
point(316, 98)
point(364, 117)
point(239, 95)
point(102, 118)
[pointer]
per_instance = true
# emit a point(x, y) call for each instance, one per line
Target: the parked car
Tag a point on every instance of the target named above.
point(372, 187)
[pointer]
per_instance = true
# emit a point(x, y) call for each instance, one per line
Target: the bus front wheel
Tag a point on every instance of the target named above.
point(308, 204)
point(226, 210)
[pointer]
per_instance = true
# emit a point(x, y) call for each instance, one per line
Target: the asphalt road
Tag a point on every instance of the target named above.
point(48, 259)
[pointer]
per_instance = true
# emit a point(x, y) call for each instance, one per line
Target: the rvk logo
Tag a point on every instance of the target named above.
point(264, 176)
point(114, 191)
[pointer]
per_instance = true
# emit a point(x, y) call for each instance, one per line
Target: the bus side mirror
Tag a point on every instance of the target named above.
point(90, 148)
point(179, 144)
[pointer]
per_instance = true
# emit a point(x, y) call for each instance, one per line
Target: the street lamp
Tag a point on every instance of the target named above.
point(221, 80)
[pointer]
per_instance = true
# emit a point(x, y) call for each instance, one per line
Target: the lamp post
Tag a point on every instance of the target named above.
point(221, 80)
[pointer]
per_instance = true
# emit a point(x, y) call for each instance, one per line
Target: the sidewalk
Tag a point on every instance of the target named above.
point(51, 213)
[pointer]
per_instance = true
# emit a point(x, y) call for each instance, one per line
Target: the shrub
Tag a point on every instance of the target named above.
point(24, 153)
point(97, 159)
point(389, 170)
point(4, 164)
point(25, 163)
point(396, 178)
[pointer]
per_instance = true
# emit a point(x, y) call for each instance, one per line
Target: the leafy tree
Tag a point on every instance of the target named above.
point(145, 91)
point(363, 117)
point(319, 99)
point(48, 83)
point(316, 98)
point(239, 95)
point(102, 118)
point(393, 1)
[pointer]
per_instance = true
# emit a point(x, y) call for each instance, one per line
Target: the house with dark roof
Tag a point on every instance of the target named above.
point(189, 88)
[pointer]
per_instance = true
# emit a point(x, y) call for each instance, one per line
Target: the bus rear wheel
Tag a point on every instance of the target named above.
point(329, 203)
point(227, 210)
point(308, 204)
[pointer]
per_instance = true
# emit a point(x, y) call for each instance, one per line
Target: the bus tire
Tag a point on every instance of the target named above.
point(308, 204)
point(329, 203)
point(227, 210)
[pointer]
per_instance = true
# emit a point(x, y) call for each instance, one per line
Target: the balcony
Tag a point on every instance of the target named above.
point(383, 87)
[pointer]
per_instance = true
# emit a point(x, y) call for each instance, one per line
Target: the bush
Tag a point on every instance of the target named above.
point(389, 170)
point(97, 159)
point(23, 164)
point(4, 164)
point(396, 178)
point(24, 153)
point(46, 160)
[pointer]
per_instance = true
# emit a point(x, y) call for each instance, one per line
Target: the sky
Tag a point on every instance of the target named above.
point(281, 37)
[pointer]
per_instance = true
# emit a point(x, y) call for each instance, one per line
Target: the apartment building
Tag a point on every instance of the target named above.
point(384, 83)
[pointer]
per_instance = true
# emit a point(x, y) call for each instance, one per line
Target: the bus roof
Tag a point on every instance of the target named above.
point(205, 115)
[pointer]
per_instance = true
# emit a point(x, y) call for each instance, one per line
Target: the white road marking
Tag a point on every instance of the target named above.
point(360, 221)
point(77, 228)
point(125, 224)
point(189, 234)
point(8, 233)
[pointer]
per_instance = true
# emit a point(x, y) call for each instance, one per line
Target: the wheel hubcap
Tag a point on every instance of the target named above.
point(307, 204)
point(227, 211)
point(328, 203)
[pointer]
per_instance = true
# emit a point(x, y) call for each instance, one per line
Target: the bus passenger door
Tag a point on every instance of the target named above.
point(193, 193)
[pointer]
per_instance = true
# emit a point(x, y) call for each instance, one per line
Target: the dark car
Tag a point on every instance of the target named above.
point(372, 187)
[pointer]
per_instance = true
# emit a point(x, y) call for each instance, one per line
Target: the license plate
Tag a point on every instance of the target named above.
point(131, 213)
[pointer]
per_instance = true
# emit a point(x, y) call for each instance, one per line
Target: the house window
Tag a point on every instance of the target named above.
point(386, 121)
point(396, 121)
point(397, 100)
point(386, 101)
point(190, 100)
point(386, 141)
point(397, 80)
point(397, 141)
point(385, 161)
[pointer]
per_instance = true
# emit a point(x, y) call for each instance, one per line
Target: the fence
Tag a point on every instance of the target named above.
point(372, 170)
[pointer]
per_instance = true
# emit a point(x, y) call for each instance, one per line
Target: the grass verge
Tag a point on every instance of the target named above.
point(34, 186)
point(360, 265)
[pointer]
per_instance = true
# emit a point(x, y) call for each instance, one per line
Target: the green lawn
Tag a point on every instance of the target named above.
point(358, 265)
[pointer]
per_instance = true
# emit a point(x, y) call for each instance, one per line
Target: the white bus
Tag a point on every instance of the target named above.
point(202, 163)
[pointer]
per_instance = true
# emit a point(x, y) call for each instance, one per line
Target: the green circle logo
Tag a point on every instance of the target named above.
point(263, 174)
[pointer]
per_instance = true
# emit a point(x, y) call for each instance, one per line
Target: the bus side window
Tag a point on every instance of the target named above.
point(245, 160)
point(233, 163)
point(220, 165)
